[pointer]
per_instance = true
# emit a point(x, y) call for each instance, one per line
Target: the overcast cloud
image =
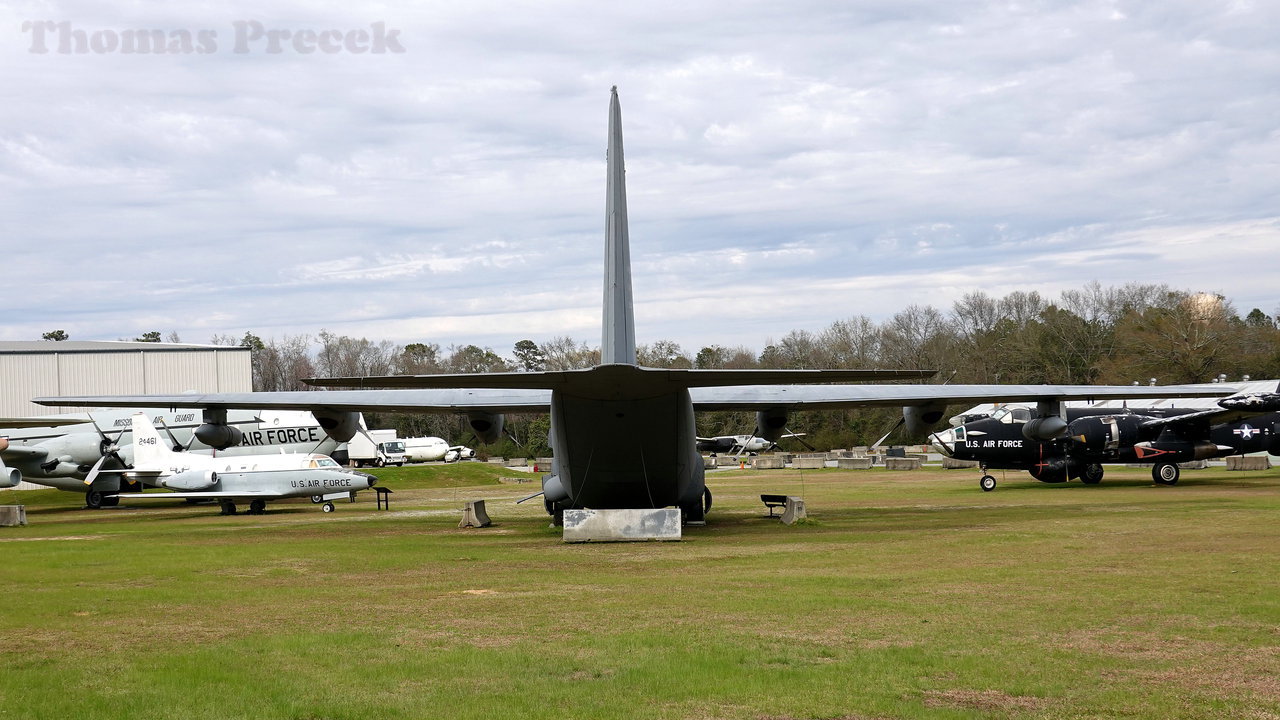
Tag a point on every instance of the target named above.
point(789, 165)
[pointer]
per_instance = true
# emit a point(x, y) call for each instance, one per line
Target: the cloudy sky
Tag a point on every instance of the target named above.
point(789, 164)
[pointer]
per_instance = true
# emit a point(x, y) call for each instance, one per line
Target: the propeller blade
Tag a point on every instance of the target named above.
point(177, 446)
point(796, 437)
point(93, 471)
point(896, 425)
point(530, 497)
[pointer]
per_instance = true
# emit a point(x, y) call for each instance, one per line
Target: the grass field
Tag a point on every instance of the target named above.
point(906, 595)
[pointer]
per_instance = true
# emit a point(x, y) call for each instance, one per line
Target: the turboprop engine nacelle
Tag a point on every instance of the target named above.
point(76, 449)
point(191, 480)
point(215, 432)
point(219, 436)
point(770, 424)
point(1100, 433)
point(920, 419)
point(1044, 428)
point(339, 425)
point(486, 426)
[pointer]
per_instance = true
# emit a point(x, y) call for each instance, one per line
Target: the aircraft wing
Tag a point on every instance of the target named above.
point(23, 452)
point(36, 422)
point(739, 397)
point(1232, 409)
point(432, 400)
point(822, 397)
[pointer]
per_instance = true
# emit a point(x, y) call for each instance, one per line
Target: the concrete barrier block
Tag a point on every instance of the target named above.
point(1194, 465)
point(621, 525)
point(854, 463)
point(516, 462)
point(809, 463)
point(474, 515)
point(542, 465)
point(949, 463)
point(710, 462)
point(496, 461)
point(13, 515)
point(901, 463)
point(516, 480)
point(1248, 462)
point(795, 510)
point(767, 462)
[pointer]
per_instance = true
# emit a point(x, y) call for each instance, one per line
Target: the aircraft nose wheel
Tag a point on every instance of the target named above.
point(327, 507)
point(987, 483)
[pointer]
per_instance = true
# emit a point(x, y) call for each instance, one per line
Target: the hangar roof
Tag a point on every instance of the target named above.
point(16, 347)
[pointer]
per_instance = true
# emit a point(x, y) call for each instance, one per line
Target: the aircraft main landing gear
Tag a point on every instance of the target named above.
point(257, 507)
point(94, 499)
point(1092, 474)
point(327, 507)
point(1165, 473)
point(228, 508)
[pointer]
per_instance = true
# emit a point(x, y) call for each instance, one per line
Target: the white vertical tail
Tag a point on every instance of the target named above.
point(149, 451)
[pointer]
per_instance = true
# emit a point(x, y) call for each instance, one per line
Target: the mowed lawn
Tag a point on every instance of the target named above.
point(906, 595)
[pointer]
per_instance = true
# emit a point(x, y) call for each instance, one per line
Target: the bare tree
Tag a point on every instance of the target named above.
point(564, 353)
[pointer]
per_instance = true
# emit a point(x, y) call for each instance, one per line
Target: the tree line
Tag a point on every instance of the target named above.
point(1093, 335)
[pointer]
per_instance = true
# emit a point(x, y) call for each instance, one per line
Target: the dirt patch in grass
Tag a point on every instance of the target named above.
point(982, 700)
point(56, 537)
point(1201, 665)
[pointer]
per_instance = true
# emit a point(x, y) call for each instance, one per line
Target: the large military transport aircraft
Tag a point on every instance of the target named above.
point(62, 451)
point(590, 409)
point(254, 478)
point(1079, 444)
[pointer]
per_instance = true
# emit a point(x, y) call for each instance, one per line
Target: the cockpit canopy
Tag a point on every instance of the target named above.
point(1012, 414)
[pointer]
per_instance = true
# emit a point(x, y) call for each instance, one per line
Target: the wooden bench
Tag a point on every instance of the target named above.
point(773, 501)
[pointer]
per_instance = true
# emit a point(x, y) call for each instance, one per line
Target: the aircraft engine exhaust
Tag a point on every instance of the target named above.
point(486, 426)
point(771, 424)
point(921, 419)
point(9, 477)
point(340, 425)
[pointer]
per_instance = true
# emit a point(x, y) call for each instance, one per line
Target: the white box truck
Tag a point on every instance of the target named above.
point(378, 449)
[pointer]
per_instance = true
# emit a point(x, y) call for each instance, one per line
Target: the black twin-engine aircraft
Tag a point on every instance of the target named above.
point(1058, 448)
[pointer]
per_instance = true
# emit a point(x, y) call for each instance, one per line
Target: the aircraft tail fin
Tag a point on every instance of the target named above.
point(619, 333)
point(149, 450)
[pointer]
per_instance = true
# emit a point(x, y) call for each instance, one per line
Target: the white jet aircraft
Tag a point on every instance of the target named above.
point(433, 449)
point(253, 478)
point(60, 451)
